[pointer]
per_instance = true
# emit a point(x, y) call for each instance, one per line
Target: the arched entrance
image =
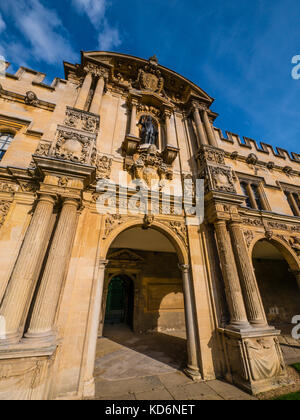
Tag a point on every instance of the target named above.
point(275, 268)
point(120, 301)
point(147, 285)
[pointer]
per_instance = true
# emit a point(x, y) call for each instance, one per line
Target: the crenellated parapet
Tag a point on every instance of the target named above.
point(253, 146)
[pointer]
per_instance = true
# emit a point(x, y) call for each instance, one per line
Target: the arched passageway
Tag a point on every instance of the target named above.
point(145, 307)
point(277, 284)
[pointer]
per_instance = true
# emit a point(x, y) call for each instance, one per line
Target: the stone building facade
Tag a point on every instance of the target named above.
point(232, 281)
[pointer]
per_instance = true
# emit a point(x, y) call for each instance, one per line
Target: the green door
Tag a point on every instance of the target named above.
point(116, 298)
point(120, 301)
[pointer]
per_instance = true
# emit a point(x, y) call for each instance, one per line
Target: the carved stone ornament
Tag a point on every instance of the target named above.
point(249, 236)
point(211, 154)
point(148, 165)
point(288, 170)
point(63, 181)
point(43, 149)
point(31, 98)
point(150, 78)
point(96, 70)
point(73, 146)
point(8, 187)
point(265, 358)
point(252, 222)
point(103, 165)
point(4, 208)
point(147, 222)
point(81, 120)
point(111, 222)
point(252, 159)
point(269, 234)
point(295, 243)
point(222, 179)
point(180, 229)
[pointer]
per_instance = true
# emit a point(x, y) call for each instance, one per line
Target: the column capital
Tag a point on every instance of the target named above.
point(185, 268)
point(96, 70)
point(103, 264)
point(70, 201)
point(49, 198)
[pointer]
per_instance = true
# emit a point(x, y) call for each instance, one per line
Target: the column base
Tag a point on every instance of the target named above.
point(44, 337)
point(255, 361)
point(193, 374)
point(8, 339)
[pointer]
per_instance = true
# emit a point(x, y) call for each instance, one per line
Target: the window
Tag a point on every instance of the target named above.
point(253, 195)
point(5, 140)
point(245, 192)
point(294, 202)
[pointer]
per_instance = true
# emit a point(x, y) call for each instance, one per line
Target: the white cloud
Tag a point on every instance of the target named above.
point(43, 29)
point(2, 24)
point(94, 9)
point(109, 36)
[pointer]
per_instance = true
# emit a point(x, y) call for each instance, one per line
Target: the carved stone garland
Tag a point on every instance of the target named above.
point(4, 208)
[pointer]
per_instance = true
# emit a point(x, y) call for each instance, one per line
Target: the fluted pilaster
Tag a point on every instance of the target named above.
point(253, 302)
point(210, 134)
point(24, 277)
point(97, 99)
point(84, 91)
point(232, 285)
point(199, 126)
point(44, 312)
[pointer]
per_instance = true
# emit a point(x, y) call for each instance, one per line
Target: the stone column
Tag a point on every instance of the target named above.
point(24, 277)
point(200, 131)
point(44, 311)
point(92, 333)
point(252, 298)
point(210, 134)
point(97, 99)
point(171, 138)
point(238, 316)
point(133, 118)
point(84, 91)
point(192, 369)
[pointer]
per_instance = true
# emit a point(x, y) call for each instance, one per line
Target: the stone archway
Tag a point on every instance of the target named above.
point(277, 268)
point(161, 295)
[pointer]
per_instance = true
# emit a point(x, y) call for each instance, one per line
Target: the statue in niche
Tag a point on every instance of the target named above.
point(149, 131)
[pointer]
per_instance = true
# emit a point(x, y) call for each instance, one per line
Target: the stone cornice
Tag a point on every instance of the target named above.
point(17, 97)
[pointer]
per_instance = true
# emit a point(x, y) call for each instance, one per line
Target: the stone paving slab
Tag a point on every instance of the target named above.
point(156, 395)
point(228, 391)
point(109, 388)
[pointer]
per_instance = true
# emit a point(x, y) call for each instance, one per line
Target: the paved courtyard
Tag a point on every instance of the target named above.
point(148, 367)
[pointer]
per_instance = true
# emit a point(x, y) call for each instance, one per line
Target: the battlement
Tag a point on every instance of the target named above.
point(255, 146)
point(34, 77)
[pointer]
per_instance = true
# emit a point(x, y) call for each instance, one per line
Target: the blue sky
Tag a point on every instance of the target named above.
point(239, 51)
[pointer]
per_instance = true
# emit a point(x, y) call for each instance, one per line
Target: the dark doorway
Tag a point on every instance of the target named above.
point(120, 301)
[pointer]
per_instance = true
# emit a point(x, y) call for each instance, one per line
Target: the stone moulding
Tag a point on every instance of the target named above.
point(30, 99)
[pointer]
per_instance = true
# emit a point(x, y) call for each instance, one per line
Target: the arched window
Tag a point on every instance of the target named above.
point(5, 140)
